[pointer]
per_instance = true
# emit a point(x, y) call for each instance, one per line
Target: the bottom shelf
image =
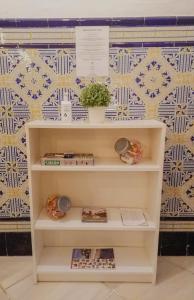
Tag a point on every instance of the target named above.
point(132, 264)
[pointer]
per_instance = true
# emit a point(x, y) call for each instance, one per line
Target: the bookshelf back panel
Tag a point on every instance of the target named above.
point(94, 238)
point(93, 189)
point(100, 142)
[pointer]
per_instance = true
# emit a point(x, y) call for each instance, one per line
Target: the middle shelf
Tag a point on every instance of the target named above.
point(72, 221)
point(102, 164)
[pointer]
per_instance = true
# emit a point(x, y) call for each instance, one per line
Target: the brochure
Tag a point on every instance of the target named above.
point(132, 217)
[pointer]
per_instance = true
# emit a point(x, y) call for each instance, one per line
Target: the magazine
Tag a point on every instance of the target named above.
point(86, 258)
point(98, 215)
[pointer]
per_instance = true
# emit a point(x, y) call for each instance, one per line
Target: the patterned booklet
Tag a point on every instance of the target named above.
point(98, 215)
point(100, 258)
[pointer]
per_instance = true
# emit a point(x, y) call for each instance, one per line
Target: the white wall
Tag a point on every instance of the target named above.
point(94, 8)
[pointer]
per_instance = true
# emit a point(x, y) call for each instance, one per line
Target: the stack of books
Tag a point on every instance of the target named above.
point(67, 158)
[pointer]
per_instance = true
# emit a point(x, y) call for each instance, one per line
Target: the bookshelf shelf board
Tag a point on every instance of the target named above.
point(55, 265)
point(102, 165)
point(72, 221)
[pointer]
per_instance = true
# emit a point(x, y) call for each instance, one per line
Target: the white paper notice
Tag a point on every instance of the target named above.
point(92, 50)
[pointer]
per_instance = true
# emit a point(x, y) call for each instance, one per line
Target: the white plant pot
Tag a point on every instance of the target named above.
point(96, 114)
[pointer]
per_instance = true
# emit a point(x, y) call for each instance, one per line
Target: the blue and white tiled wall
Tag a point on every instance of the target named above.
point(151, 75)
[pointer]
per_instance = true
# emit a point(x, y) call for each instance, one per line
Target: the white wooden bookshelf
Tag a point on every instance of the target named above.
point(110, 184)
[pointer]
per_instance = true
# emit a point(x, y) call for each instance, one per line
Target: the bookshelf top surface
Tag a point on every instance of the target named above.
point(86, 125)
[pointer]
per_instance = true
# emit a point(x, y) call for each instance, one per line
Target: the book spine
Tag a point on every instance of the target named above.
point(51, 162)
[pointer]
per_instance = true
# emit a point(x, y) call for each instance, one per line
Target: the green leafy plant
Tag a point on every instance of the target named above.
point(95, 94)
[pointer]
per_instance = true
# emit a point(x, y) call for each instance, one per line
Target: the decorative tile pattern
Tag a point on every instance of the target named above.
point(176, 207)
point(178, 165)
point(13, 166)
point(144, 83)
point(78, 111)
point(154, 80)
point(123, 61)
point(129, 105)
point(14, 111)
point(190, 191)
point(181, 59)
point(9, 60)
point(32, 81)
point(61, 61)
point(177, 109)
point(15, 208)
point(50, 108)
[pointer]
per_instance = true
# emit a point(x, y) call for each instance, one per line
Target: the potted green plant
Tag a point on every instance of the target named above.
point(96, 97)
